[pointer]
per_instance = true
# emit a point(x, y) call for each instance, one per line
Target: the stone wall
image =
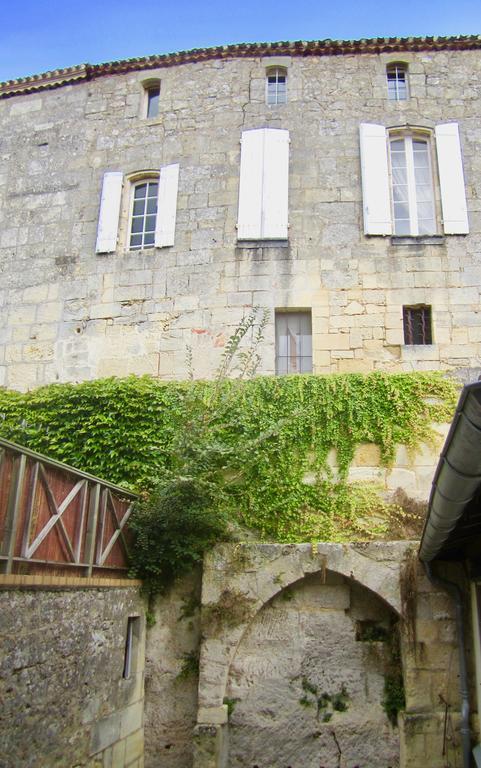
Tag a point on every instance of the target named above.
point(285, 624)
point(65, 701)
point(68, 314)
point(171, 676)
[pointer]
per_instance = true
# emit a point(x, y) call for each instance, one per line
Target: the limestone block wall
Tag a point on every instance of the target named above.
point(171, 675)
point(281, 623)
point(69, 314)
point(65, 701)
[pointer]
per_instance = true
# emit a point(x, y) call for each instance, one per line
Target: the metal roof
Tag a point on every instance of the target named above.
point(453, 525)
point(58, 77)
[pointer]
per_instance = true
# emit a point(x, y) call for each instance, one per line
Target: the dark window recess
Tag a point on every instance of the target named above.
point(417, 325)
point(153, 94)
point(131, 640)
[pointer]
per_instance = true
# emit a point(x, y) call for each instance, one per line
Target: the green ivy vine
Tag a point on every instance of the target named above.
point(254, 442)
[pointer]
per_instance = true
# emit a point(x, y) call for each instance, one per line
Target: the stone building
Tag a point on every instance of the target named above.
point(145, 204)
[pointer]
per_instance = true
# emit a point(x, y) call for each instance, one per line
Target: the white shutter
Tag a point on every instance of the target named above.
point(451, 179)
point(167, 205)
point(108, 226)
point(376, 192)
point(275, 184)
point(249, 222)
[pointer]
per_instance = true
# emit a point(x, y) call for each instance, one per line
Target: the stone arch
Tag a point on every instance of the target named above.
point(307, 678)
point(239, 579)
point(252, 574)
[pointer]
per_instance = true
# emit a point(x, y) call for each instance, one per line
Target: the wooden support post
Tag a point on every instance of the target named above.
point(13, 512)
point(91, 535)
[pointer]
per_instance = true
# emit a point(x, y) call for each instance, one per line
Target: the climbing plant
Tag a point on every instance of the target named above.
point(253, 452)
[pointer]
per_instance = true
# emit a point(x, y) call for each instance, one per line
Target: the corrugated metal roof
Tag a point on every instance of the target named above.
point(59, 77)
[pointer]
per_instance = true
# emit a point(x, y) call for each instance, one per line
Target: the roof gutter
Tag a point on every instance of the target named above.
point(458, 474)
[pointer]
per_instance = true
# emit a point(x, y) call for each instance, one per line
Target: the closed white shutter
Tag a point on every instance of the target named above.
point(167, 205)
point(275, 184)
point(108, 226)
point(451, 179)
point(249, 222)
point(376, 193)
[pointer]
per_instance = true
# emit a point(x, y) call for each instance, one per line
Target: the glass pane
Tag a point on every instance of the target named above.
point(136, 241)
point(153, 189)
point(152, 205)
point(140, 191)
point(401, 210)
point(153, 102)
point(306, 364)
point(138, 209)
point(149, 238)
point(150, 223)
point(281, 365)
point(402, 227)
point(137, 224)
point(400, 193)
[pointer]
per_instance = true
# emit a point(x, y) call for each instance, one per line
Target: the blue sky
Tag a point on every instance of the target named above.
point(38, 35)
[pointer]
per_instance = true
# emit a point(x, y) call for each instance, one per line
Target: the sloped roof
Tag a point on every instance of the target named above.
point(68, 75)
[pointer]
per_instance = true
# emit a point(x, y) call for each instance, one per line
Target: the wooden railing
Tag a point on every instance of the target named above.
point(55, 518)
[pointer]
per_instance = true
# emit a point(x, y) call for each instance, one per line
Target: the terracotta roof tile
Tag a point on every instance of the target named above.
point(59, 77)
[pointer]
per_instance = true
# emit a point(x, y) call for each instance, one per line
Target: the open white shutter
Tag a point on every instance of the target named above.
point(376, 193)
point(275, 184)
point(167, 205)
point(249, 222)
point(108, 226)
point(451, 179)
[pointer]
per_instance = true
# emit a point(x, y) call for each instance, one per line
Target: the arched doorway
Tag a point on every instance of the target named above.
point(306, 685)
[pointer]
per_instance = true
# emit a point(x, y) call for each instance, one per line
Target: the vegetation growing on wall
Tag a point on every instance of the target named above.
point(254, 452)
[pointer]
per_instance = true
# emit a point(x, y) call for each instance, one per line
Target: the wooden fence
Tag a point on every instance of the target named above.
point(57, 519)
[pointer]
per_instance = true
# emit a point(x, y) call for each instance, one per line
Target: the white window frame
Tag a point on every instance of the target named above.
point(276, 72)
point(398, 68)
point(446, 170)
point(408, 138)
point(150, 179)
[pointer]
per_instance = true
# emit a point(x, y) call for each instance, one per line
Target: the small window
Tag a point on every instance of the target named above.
point(152, 98)
point(143, 214)
point(131, 646)
point(293, 342)
point(417, 325)
point(412, 186)
point(276, 85)
point(397, 82)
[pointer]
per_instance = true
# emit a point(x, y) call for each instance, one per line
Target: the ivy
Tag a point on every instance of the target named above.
point(255, 450)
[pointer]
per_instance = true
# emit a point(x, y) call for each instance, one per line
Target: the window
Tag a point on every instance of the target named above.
point(397, 82)
point(151, 98)
point(293, 342)
point(144, 206)
point(143, 215)
point(398, 172)
point(263, 185)
point(417, 325)
point(276, 85)
point(131, 646)
point(412, 186)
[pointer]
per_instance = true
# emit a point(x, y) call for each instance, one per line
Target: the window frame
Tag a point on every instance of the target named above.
point(292, 313)
point(409, 136)
point(427, 333)
point(143, 177)
point(398, 67)
point(149, 86)
point(276, 71)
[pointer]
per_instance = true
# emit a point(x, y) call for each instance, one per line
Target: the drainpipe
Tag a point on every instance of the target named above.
point(456, 594)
